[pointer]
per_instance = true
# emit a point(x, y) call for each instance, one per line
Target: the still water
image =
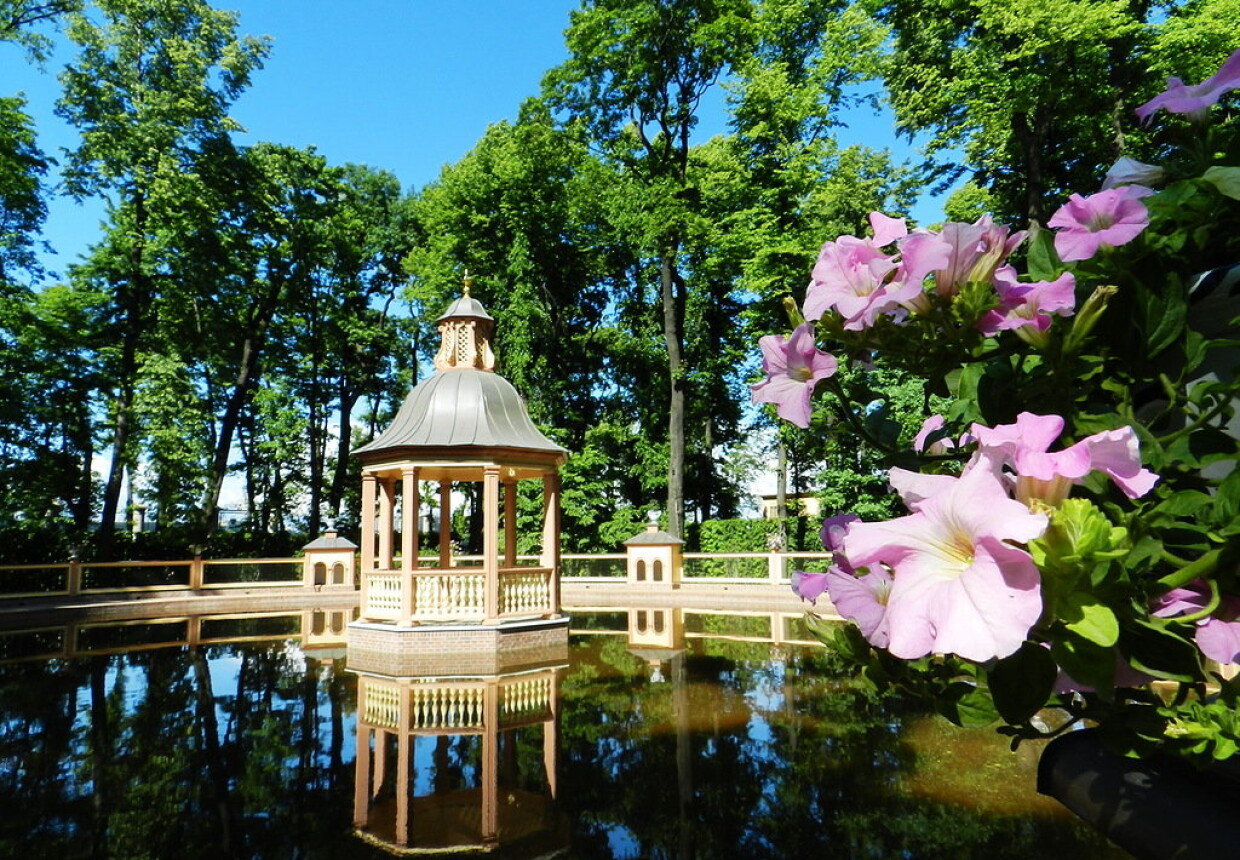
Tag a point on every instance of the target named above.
point(258, 741)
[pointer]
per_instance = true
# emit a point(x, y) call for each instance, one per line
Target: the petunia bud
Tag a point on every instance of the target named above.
point(1129, 171)
point(1087, 317)
point(795, 317)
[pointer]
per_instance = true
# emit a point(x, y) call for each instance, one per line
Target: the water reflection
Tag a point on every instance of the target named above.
point(442, 763)
point(148, 744)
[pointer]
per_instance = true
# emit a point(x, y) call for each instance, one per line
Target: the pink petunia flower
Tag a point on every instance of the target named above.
point(958, 586)
point(1107, 219)
point(863, 600)
point(929, 427)
point(1049, 476)
point(859, 281)
point(1218, 634)
point(975, 252)
point(808, 585)
point(793, 366)
point(833, 531)
point(851, 276)
point(1178, 97)
point(1028, 306)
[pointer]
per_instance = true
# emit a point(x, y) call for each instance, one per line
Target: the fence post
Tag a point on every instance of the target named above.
point(73, 583)
point(196, 570)
point(775, 567)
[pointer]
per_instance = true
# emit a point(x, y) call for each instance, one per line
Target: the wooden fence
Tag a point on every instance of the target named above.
point(205, 575)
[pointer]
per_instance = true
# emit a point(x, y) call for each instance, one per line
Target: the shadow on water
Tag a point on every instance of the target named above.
point(151, 748)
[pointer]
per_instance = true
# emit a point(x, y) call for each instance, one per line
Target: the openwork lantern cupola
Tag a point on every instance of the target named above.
point(465, 329)
point(463, 424)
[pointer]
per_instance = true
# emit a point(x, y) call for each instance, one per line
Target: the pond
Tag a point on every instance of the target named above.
point(258, 741)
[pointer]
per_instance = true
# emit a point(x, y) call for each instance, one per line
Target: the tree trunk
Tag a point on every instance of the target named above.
point(676, 399)
point(253, 341)
point(133, 296)
point(340, 476)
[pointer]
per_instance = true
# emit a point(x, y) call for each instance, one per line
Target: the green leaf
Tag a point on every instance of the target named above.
point(1225, 179)
point(1086, 663)
point(1163, 313)
point(1093, 621)
point(1185, 503)
point(967, 705)
point(1022, 682)
point(1159, 651)
point(1043, 262)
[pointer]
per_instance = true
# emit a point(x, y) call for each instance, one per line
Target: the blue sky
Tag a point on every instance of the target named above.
point(403, 85)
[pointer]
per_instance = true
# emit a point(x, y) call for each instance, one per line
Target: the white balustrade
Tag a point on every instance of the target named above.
point(525, 697)
point(447, 707)
point(525, 591)
point(382, 705)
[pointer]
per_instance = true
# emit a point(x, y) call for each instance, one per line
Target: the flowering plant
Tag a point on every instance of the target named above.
point(1073, 524)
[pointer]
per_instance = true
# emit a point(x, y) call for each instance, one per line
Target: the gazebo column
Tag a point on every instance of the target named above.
point(404, 755)
point(387, 493)
point(551, 535)
point(490, 763)
point(411, 501)
point(368, 522)
point(361, 777)
point(490, 542)
point(510, 522)
point(550, 739)
point(445, 524)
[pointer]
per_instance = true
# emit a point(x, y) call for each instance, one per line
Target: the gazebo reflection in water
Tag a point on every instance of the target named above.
point(438, 768)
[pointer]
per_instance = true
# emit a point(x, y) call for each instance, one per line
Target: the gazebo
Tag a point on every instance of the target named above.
point(463, 424)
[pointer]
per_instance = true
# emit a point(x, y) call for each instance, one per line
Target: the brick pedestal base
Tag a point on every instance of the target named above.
point(456, 649)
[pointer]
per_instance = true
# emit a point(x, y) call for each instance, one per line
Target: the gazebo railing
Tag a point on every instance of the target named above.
point(453, 594)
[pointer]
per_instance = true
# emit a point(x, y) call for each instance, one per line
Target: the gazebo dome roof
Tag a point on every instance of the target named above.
point(460, 408)
point(465, 306)
point(465, 404)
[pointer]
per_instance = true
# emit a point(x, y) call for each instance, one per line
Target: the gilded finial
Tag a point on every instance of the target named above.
point(467, 282)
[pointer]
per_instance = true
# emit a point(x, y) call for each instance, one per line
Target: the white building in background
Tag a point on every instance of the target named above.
point(798, 504)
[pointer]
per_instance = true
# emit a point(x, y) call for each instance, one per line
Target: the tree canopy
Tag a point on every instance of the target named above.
point(252, 312)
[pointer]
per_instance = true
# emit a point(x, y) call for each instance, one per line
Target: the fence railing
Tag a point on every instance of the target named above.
point(219, 575)
point(141, 577)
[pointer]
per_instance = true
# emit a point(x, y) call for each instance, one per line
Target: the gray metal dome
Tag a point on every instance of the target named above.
point(466, 306)
point(460, 408)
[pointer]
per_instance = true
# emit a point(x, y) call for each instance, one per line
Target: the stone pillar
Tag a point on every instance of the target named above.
point(387, 499)
point(361, 777)
point(410, 503)
point(551, 535)
point(550, 735)
point(510, 522)
point(445, 524)
point(490, 764)
point(490, 542)
point(368, 522)
point(404, 756)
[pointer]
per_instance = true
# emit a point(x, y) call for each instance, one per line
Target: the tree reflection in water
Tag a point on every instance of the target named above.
point(712, 749)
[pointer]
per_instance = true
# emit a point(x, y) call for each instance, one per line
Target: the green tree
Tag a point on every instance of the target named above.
point(527, 212)
point(18, 20)
point(22, 208)
point(50, 388)
point(636, 76)
point(1038, 94)
point(150, 88)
